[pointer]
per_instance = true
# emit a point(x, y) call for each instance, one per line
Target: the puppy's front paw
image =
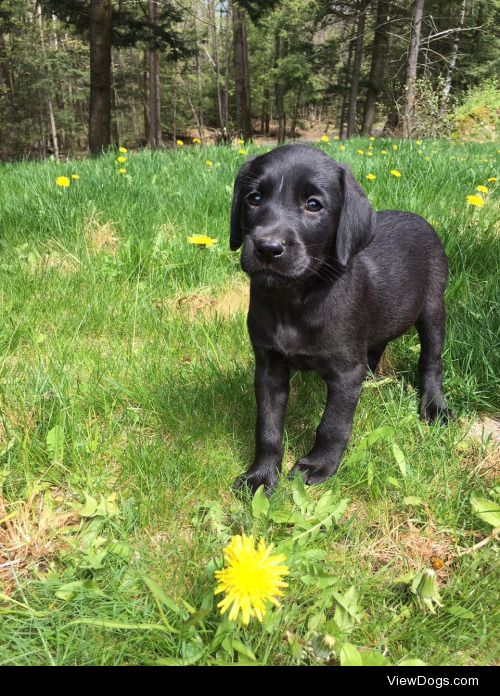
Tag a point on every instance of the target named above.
point(313, 470)
point(431, 413)
point(254, 478)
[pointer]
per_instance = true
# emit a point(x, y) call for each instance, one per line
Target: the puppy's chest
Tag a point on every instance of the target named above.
point(298, 338)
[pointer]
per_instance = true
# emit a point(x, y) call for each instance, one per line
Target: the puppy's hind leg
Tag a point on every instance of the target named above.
point(374, 355)
point(431, 331)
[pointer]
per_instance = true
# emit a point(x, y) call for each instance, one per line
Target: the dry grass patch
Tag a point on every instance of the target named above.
point(32, 533)
point(100, 237)
point(55, 258)
point(61, 261)
point(486, 428)
point(207, 304)
point(480, 449)
point(400, 544)
point(233, 299)
point(485, 462)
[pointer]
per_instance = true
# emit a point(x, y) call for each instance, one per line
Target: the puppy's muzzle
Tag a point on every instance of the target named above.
point(269, 250)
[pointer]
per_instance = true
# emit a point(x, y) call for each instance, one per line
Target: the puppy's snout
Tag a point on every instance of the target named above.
point(269, 249)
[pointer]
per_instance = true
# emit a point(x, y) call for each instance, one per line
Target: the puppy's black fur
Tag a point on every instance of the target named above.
point(332, 282)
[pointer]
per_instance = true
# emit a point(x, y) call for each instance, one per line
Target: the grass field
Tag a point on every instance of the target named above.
point(127, 410)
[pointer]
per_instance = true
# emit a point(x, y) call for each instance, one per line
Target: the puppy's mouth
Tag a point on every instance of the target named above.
point(272, 277)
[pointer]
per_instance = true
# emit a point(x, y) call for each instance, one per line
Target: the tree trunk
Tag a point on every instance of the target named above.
point(411, 73)
point(264, 118)
point(345, 91)
point(241, 73)
point(154, 81)
point(201, 117)
point(379, 53)
point(8, 129)
point(227, 56)
point(115, 128)
point(295, 113)
point(453, 60)
point(358, 54)
point(279, 89)
point(145, 97)
point(215, 50)
point(47, 76)
point(100, 76)
point(174, 107)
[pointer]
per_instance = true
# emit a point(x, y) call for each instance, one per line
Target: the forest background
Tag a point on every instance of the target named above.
point(79, 75)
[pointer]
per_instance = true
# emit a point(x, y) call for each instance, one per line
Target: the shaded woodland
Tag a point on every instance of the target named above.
point(84, 75)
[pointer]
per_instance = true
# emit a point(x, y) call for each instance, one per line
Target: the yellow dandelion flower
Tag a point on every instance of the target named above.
point(325, 139)
point(201, 240)
point(360, 152)
point(341, 148)
point(196, 141)
point(122, 149)
point(369, 154)
point(209, 163)
point(418, 142)
point(383, 152)
point(242, 152)
point(395, 173)
point(482, 189)
point(475, 200)
point(492, 180)
point(395, 147)
point(251, 577)
point(122, 170)
point(336, 137)
point(371, 177)
point(240, 141)
point(75, 177)
point(62, 181)
point(121, 159)
point(372, 138)
point(180, 143)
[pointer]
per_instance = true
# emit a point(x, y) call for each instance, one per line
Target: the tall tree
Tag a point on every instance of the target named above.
point(279, 88)
point(241, 73)
point(154, 130)
point(453, 59)
point(379, 57)
point(216, 63)
point(411, 71)
point(100, 76)
point(356, 68)
point(47, 80)
point(8, 124)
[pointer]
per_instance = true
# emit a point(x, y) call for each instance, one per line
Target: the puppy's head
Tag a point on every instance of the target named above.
point(296, 211)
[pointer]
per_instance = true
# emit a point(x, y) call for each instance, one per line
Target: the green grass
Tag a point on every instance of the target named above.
point(111, 382)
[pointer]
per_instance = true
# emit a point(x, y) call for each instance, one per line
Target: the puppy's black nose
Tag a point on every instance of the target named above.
point(268, 249)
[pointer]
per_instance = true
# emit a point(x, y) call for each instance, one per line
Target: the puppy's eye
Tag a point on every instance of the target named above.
point(254, 198)
point(313, 205)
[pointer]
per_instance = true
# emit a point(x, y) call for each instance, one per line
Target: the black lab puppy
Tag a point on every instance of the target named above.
point(332, 282)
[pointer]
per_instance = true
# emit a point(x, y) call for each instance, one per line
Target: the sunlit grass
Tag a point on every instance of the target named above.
point(116, 331)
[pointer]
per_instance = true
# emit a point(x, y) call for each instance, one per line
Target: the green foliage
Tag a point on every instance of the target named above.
point(478, 116)
point(428, 121)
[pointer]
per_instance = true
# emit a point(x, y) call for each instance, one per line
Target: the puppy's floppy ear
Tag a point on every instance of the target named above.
point(236, 237)
point(356, 226)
